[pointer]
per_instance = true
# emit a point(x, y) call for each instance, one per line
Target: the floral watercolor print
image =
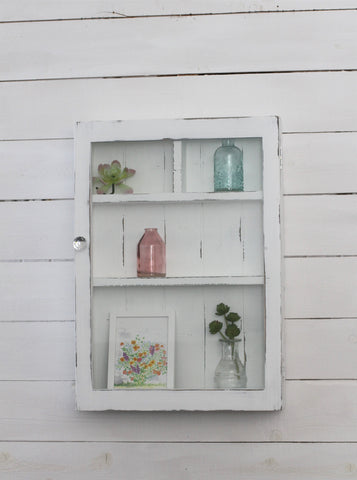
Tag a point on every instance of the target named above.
point(140, 352)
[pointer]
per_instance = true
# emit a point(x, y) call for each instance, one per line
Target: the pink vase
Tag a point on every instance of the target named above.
point(151, 255)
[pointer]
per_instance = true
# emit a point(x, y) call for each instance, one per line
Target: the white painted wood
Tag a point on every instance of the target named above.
point(321, 348)
point(320, 163)
point(37, 291)
point(326, 286)
point(107, 242)
point(27, 10)
point(36, 230)
point(312, 163)
point(322, 411)
point(184, 238)
point(314, 225)
point(33, 351)
point(102, 46)
point(177, 281)
point(198, 158)
point(306, 105)
point(314, 349)
point(190, 336)
point(177, 168)
point(232, 241)
point(153, 162)
point(36, 169)
point(223, 243)
point(320, 287)
point(320, 225)
point(178, 197)
point(197, 352)
point(160, 460)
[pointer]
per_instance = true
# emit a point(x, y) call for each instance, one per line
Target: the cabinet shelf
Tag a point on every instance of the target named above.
point(177, 197)
point(221, 247)
point(177, 281)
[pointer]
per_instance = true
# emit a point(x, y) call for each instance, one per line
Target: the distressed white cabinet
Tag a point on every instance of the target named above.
point(220, 247)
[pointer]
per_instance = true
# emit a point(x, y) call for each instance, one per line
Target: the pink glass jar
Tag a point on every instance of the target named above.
point(151, 255)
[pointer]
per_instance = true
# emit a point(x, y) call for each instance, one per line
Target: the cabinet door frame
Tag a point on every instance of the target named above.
point(266, 128)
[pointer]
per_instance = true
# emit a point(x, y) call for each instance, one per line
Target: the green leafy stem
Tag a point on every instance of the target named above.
point(231, 330)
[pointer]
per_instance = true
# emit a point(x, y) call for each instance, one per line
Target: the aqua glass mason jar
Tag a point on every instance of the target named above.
point(228, 168)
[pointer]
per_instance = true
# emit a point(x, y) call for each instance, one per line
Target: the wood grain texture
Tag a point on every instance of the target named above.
point(100, 48)
point(320, 348)
point(313, 349)
point(305, 102)
point(312, 163)
point(37, 291)
point(37, 351)
point(314, 411)
point(46, 289)
point(319, 163)
point(27, 10)
point(323, 411)
point(320, 287)
point(37, 230)
point(313, 226)
point(320, 225)
point(36, 169)
point(184, 461)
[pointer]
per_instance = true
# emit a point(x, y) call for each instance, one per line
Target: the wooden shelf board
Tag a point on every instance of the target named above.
point(188, 197)
point(177, 281)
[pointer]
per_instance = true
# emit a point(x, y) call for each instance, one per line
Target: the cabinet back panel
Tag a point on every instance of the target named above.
point(152, 160)
point(201, 239)
point(198, 163)
point(197, 352)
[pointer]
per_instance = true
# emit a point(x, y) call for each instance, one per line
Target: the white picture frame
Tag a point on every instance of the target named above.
point(141, 353)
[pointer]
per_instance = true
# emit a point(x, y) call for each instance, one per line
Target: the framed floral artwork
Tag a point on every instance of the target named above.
point(141, 351)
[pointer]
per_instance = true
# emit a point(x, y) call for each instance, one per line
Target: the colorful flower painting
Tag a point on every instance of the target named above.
point(142, 363)
point(141, 352)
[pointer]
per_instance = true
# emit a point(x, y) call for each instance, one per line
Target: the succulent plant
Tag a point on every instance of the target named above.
point(111, 175)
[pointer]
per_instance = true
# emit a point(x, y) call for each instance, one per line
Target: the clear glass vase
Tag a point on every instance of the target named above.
point(230, 372)
point(228, 168)
point(151, 255)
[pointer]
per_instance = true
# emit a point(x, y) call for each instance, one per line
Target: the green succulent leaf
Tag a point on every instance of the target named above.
point(103, 188)
point(232, 317)
point(232, 331)
point(215, 326)
point(113, 174)
point(222, 309)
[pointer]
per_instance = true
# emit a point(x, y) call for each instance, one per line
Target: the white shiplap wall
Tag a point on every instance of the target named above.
point(84, 60)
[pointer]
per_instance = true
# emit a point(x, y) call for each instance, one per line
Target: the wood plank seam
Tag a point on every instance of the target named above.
point(121, 16)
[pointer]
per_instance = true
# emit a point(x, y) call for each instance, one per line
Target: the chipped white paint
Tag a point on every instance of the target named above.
point(235, 252)
point(37, 295)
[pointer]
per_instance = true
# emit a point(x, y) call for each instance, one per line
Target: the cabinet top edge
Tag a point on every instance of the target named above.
point(177, 129)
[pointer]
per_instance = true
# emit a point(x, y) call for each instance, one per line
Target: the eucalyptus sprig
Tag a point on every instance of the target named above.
point(230, 318)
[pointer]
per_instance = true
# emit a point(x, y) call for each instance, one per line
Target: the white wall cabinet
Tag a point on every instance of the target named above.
point(220, 247)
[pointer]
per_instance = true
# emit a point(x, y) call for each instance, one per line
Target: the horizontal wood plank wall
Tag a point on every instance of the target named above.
point(295, 59)
point(314, 102)
point(289, 461)
point(32, 10)
point(142, 46)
